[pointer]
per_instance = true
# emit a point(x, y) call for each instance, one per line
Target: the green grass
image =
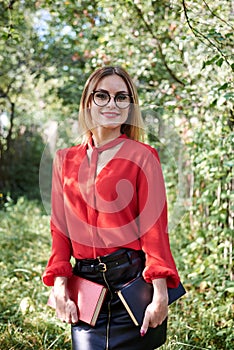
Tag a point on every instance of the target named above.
point(25, 320)
point(201, 320)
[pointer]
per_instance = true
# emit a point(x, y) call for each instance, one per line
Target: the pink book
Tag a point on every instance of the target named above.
point(87, 295)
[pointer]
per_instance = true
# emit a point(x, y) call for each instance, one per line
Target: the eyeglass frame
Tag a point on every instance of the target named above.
point(114, 96)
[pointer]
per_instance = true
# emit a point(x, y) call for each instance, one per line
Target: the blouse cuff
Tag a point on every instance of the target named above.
point(172, 277)
point(62, 269)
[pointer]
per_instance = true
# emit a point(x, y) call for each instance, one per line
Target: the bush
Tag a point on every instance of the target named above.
point(20, 166)
point(200, 320)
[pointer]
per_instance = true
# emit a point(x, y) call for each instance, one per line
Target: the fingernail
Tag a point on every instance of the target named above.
point(142, 332)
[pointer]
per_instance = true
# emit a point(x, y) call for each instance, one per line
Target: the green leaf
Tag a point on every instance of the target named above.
point(223, 87)
point(212, 60)
point(229, 96)
point(220, 62)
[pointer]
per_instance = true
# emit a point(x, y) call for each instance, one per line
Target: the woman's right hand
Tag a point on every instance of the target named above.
point(66, 309)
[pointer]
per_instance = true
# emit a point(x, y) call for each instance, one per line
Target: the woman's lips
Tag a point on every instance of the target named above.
point(110, 114)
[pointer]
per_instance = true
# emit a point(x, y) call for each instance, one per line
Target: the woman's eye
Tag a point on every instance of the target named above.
point(101, 96)
point(122, 98)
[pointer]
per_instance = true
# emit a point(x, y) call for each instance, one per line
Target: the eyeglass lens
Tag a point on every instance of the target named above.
point(102, 98)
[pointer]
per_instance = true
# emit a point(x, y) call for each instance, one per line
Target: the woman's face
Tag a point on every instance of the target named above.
point(110, 116)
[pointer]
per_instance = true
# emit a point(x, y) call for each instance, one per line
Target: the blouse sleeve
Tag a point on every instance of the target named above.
point(59, 262)
point(153, 223)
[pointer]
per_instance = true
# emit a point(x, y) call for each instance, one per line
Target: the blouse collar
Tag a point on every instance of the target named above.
point(107, 145)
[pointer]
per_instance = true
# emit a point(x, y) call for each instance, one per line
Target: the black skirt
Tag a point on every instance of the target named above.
point(114, 329)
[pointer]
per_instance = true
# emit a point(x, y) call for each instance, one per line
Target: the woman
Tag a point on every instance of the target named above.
point(109, 205)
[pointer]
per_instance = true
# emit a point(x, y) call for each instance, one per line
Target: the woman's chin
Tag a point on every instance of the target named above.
point(110, 124)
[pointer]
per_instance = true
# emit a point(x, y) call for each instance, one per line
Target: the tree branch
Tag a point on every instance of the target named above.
point(199, 35)
point(172, 74)
point(11, 4)
point(215, 15)
point(9, 135)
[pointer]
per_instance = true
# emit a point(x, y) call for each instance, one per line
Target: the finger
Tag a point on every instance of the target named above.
point(60, 310)
point(71, 312)
point(68, 313)
point(145, 324)
point(162, 315)
point(74, 315)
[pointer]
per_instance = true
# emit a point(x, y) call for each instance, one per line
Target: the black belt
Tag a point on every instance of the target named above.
point(104, 263)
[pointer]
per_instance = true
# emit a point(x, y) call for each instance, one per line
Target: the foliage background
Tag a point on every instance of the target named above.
point(180, 54)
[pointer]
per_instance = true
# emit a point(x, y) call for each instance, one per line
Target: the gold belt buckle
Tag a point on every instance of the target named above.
point(101, 266)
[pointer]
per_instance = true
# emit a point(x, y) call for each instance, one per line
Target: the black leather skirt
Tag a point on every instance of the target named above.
point(114, 329)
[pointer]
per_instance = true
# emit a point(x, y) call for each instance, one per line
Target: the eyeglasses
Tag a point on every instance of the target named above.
point(102, 98)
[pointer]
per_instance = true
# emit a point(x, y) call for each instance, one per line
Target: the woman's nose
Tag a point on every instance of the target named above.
point(112, 103)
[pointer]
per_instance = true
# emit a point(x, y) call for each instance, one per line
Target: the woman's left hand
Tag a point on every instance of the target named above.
point(157, 311)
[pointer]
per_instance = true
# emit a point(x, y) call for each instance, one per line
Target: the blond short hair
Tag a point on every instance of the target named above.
point(134, 126)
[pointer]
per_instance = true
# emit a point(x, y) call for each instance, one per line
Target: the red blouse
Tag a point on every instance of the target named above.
point(124, 205)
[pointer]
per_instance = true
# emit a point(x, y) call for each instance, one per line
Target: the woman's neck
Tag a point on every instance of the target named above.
point(101, 137)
